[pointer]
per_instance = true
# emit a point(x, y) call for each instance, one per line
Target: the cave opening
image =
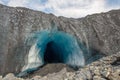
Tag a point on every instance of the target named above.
point(57, 47)
point(51, 54)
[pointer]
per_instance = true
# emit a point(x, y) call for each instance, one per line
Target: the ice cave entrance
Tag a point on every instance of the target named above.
point(49, 46)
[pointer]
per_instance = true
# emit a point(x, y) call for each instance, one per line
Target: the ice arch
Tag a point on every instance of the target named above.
point(54, 46)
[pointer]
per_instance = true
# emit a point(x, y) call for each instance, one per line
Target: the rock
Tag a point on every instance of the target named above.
point(36, 78)
point(0, 77)
point(11, 76)
point(83, 74)
point(98, 78)
point(114, 75)
point(70, 75)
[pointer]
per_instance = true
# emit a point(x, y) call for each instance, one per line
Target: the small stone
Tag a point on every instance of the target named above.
point(70, 75)
point(9, 76)
point(115, 75)
point(66, 79)
point(98, 78)
point(97, 72)
point(80, 76)
point(36, 78)
point(0, 77)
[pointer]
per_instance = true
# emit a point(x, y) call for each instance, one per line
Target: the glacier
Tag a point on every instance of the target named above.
point(54, 46)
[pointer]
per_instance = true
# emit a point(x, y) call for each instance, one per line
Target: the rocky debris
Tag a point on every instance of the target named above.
point(99, 70)
point(51, 68)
